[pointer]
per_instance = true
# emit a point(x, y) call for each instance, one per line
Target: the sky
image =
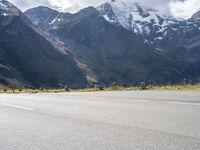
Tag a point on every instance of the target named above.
point(178, 8)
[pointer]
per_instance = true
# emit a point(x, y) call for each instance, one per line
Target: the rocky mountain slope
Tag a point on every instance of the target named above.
point(115, 42)
point(30, 57)
point(110, 52)
point(129, 43)
point(135, 17)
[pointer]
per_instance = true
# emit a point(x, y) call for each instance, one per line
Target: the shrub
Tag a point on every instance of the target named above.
point(67, 88)
point(101, 88)
point(143, 85)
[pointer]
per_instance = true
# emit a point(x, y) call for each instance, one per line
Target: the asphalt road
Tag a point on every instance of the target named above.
point(143, 120)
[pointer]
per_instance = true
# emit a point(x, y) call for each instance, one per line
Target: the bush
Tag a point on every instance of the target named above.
point(101, 88)
point(5, 90)
point(143, 85)
point(114, 88)
point(67, 88)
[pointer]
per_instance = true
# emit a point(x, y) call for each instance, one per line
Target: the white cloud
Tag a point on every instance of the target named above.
point(73, 5)
point(184, 9)
point(26, 4)
point(178, 8)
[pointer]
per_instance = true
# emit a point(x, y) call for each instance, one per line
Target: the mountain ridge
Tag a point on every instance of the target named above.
point(196, 15)
point(79, 30)
point(88, 48)
point(30, 57)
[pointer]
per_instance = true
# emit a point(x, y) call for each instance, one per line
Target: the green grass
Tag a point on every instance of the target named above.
point(115, 88)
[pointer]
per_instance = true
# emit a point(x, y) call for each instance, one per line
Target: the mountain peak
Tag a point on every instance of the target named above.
point(142, 11)
point(88, 11)
point(133, 16)
point(4, 5)
point(196, 15)
point(8, 9)
point(43, 9)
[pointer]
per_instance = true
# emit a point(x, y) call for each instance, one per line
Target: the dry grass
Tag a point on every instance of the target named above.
point(115, 88)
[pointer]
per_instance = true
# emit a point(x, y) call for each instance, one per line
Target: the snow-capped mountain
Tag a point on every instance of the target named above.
point(129, 42)
point(161, 31)
point(46, 17)
point(50, 19)
point(135, 17)
point(123, 42)
point(132, 16)
point(5, 5)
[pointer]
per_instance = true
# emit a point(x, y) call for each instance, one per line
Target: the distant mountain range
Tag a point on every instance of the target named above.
point(115, 42)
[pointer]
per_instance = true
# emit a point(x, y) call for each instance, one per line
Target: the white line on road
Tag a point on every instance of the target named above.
point(134, 100)
point(182, 103)
point(16, 106)
point(141, 100)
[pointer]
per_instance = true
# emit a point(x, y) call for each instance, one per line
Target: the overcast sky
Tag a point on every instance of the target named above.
point(178, 8)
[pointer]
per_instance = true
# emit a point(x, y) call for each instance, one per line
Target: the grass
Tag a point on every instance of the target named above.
point(115, 88)
point(177, 87)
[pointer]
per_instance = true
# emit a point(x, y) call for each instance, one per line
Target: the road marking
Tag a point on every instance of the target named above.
point(17, 106)
point(134, 100)
point(141, 100)
point(182, 103)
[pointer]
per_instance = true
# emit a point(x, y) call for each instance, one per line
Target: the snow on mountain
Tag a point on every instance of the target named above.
point(4, 5)
point(46, 17)
point(134, 17)
point(7, 8)
point(42, 15)
point(149, 23)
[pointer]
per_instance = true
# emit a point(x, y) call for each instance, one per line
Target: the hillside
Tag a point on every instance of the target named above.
point(31, 57)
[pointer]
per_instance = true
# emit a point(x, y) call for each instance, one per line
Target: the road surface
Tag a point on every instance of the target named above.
point(136, 120)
